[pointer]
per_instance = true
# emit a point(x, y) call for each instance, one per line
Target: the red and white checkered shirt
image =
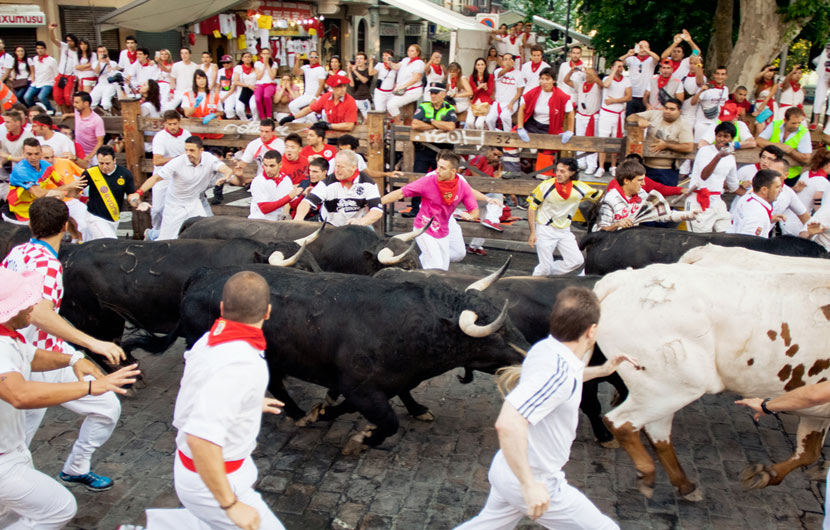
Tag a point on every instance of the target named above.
point(39, 258)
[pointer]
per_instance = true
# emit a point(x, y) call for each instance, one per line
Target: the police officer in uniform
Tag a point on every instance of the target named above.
point(435, 114)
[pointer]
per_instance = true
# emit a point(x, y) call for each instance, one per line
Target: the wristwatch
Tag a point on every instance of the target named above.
point(764, 407)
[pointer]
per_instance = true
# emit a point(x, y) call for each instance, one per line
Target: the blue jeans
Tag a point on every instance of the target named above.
point(43, 94)
point(20, 93)
point(668, 177)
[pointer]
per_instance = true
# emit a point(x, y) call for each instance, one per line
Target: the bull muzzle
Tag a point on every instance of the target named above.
point(467, 323)
point(387, 257)
point(490, 279)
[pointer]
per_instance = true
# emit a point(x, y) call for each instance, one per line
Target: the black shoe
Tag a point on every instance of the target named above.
point(218, 195)
point(410, 214)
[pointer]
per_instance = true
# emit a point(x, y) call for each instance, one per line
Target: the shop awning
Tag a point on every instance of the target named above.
point(164, 15)
point(437, 14)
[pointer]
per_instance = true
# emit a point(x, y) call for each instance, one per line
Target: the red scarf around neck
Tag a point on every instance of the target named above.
point(819, 173)
point(228, 331)
point(716, 85)
point(662, 81)
point(572, 64)
point(15, 137)
point(512, 39)
point(535, 66)
point(618, 79)
point(132, 56)
point(437, 69)
point(796, 86)
point(675, 64)
point(247, 69)
point(586, 87)
point(448, 189)
point(6, 332)
point(228, 72)
point(351, 179)
point(564, 190)
point(453, 82)
point(40, 58)
point(181, 131)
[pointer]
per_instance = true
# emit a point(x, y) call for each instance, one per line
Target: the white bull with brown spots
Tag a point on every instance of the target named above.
point(713, 326)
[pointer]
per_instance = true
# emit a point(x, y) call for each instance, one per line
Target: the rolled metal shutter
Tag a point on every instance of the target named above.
point(80, 20)
point(26, 37)
point(170, 40)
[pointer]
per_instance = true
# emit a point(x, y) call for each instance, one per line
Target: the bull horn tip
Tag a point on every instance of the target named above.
point(276, 258)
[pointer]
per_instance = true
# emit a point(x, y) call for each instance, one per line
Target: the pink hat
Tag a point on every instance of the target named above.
point(18, 292)
point(226, 59)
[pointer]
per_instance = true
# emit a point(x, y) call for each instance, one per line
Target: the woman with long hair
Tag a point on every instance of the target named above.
point(21, 74)
point(201, 101)
point(334, 68)
point(266, 74)
point(408, 86)
point(164, 60)
point(459, 89)
point(150, 105)
point(483, 86)
point(286, 92)
point(83, 68)
point(244, 79)
point(492, 60)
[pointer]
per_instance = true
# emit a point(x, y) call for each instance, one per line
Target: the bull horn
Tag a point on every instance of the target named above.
point(309, 239)
point(277, 258)
point(467, 323)
point(489, 280)
point(387, 257)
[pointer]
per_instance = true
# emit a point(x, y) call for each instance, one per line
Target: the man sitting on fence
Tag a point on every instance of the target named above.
point(509, 85)
point(339, 109)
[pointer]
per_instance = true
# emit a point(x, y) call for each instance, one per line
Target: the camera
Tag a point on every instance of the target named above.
point(116, 78)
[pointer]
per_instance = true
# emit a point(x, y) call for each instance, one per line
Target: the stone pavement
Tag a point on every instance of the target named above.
point(434, 475)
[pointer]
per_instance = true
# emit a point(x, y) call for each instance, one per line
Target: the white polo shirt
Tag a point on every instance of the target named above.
point(187, 181)
point(68, 60)
point(507, 84)
point(167, 145)
point(183, 74)
point(220, 397)
point(530, 75)
point(60, 144)
point(386, 76)
point(548, 396)
point(640, 71)
point(725, 173)
point(616, 91)
point(264, 189)
point(312, 75)
point(15, 356)
point(45, 71)
point(256, 150)
point(752, 216)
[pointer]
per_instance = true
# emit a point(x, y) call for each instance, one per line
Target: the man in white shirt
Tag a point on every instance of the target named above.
point(141, 70)
point(753, 213)
point(743, 136)
point(42, 127)
point(6, 62)
point(181, 77)
point(190, 175)
point(587, 101)
point(788, 210)
point(128, 56)
point(573, 66)
point(537, 425)
point(256, 149)
point(662, 87)
point(713, 169)
point(530, 70)
point(272, 191)
point(64, 83)
point(640, 62)
point(508, 41)
point(167, 145)
point(709, 99)
point(509, 86)
point(46, 68)
point(104, 68)
point(314, 78)
point(674, 53)
point(615, 94)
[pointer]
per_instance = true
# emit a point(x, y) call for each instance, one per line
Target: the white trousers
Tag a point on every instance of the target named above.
point(380, 98)
point(30, 499)
point(100, 414)
point(549, 239)
point(239, 107)
point(473, 121)
point(394, 104)
point(298, 104)
point(716, 218)
point(364, 106)
point(102, 95)
point(588, 162)
point(461, 105)
point(201, 511)
point(437, 253)
point(229, 109)
point(569, 509)
point(492, 213)
point(500, 111)
point(159, 198)
point(456, 240)
point(99, 228)
point(176, 213)
point(701, 128)
point(820, 98)
point(608, 124)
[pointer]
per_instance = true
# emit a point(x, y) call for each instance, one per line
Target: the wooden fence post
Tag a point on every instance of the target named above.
point(633, 140)
point(134, 150)
point(375, 158)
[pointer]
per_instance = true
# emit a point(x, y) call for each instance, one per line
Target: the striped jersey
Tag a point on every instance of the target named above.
point(551, 208)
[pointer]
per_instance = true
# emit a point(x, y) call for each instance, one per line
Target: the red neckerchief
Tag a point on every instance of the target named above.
point(535, 66)
point(181, 131)
point(228, 72)
point(264, 145)
point(512, 39)
point(635, 199)
point(572, 64)
point(351, 179)
point(448, 189)
point(796, 86)
point(6, 332)
point(40, 58)
point(276, 179)
point(228, 331)
point(757, 167)
point(453, 82)
point(144, 64)
point(315, 65)
point(167, 63)
point(618, 79)
point(768, 210)
point(247, 69)
point(564, 190)
point(132, 56)
point(586, 87)
point(662, 81)
point(767, 82)
point(437, 69)
point(14, 137)
point(715, 85)
point(675, 64)
point(643, 58)
point(691, 74)
point(819, 173)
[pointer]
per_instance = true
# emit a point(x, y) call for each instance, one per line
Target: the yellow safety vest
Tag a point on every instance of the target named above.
point(793, 141)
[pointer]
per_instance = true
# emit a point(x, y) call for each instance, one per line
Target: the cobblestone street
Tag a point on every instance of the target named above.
point(434, 475)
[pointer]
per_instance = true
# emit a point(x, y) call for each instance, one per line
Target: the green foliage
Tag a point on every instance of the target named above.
point(557, 12)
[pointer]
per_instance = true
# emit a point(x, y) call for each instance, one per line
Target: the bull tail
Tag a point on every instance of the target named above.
point(588, 240)
point(507, 378)
point(150, 342)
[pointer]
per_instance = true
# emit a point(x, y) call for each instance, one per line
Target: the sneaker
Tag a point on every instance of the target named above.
point(492, 226)
point(92, 481)
point(522, 206)
point(477, 251)
point(613, 171)
point(590, 170)
point(599, 172)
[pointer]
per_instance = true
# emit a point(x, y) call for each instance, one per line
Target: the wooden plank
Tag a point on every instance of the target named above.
point(493, 185)
point(480, 138)
point(239, 129)
point(519, 231)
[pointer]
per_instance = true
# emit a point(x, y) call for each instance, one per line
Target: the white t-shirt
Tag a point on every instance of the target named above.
point(124, 60)
point(183, 74)
point(220, 397)
point(256, 150)
point(410, 67)
point(167, 145)
point(386, 76)
point(507, 84)
point(6, 63)
point(264, 189)
point(531, 76)
point(60, 144)
point(815, 190)
point(85, 74)
point(746, 173)
point(576, 77)
point(673, 88)
point(616, 91)
point(790, 206)
point(690, 87)
point(510, 47)
point(710, 98)
point(791, 98)
point(541, 111)
point(187, 181)
point(743, 132)
point(822, 216)
point(266, 78)
point(108, 68)
point(312, 76)
point(751, 216)
point(248, 79)
point(588, 103)
point(639, 72)
point(15, 356)
point(725, 172)
point(548, 396)
point(68, 60)
point(45, 71)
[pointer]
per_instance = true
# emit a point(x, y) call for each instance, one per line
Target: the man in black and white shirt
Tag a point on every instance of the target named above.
point(347, 197)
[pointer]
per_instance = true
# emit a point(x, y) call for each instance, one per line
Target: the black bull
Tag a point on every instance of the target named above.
point(531, 300)
point(365, 338)
point(639, 247)
point(347, 249)
point(12, 235)
point(109, 281)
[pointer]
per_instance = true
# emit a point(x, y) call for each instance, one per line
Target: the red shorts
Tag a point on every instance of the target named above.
point(63, 96)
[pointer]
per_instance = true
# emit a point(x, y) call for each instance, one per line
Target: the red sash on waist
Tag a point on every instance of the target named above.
point(230, 466)
point(703, 195)
point(619, 120)
point(589, 129)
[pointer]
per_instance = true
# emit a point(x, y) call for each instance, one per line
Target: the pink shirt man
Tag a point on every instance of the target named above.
point(87, 130)
point(433, 205)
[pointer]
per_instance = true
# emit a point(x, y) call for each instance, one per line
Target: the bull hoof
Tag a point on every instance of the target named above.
point(426, 416)
point(355, 445)
point(818, 473)
point(694, 496)
point(756, 476)
point(645, 489)
point(610, 444)
point(311, 416)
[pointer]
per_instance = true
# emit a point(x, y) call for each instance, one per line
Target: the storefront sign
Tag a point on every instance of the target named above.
point(286, 10)
point(387, 29)
point(17, 18)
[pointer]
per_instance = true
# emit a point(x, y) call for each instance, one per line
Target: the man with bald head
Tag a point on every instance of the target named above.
point(218, 413)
